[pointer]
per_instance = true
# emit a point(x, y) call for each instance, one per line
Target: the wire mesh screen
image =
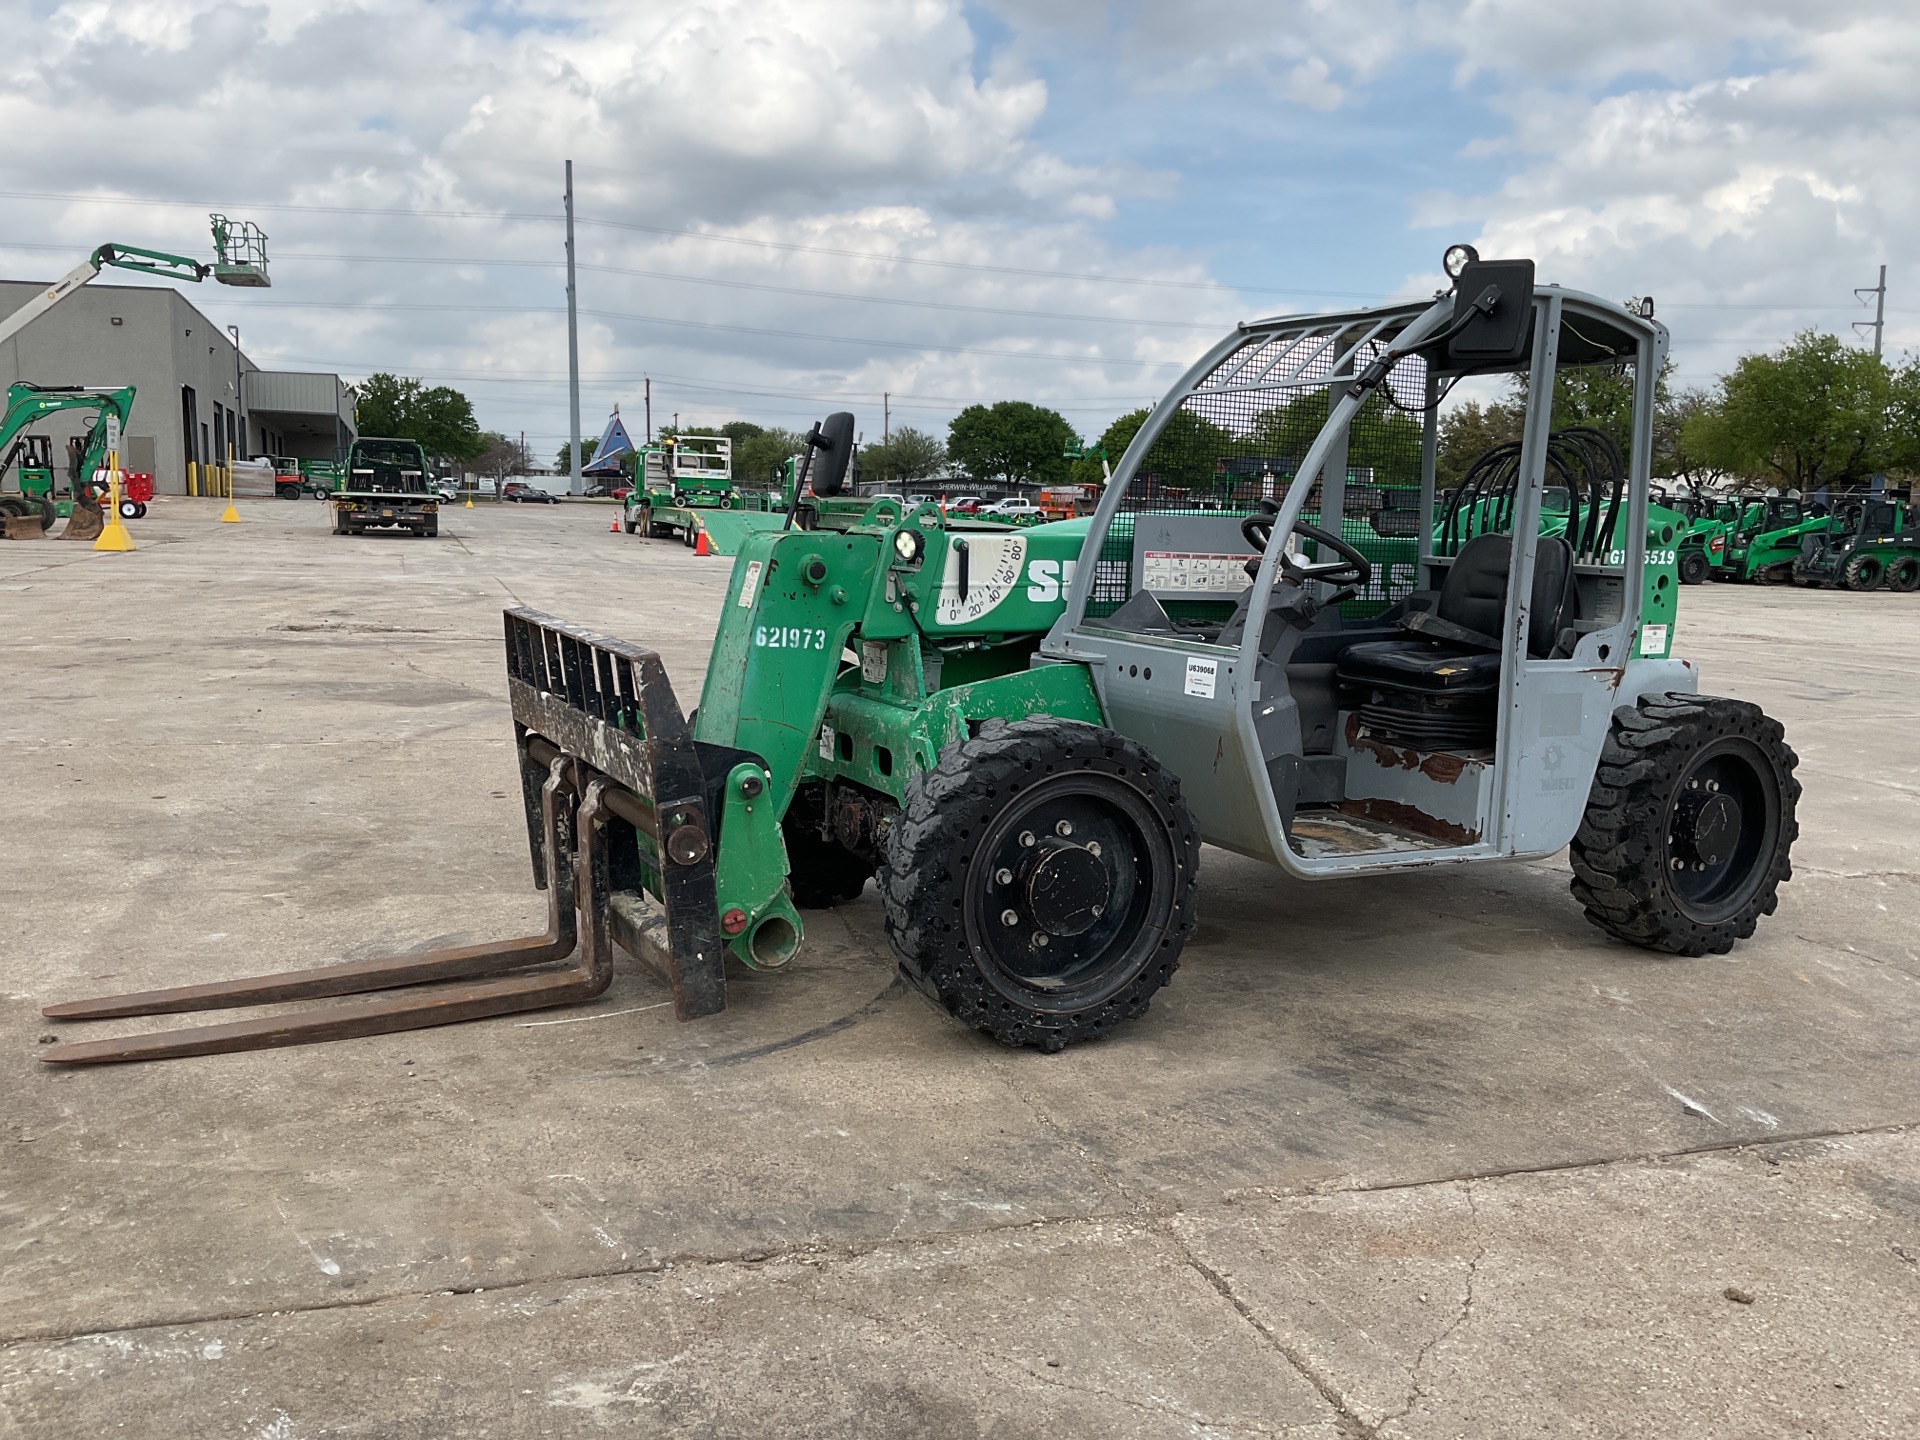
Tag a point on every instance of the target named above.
point(1241, 436)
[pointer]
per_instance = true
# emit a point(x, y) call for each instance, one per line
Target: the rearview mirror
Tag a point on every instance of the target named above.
point(835, 442)
point(1493, 305)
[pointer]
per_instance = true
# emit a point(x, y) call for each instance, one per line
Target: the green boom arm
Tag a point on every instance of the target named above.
point(242, 260)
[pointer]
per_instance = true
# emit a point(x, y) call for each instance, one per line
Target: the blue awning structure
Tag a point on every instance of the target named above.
point(614, 444)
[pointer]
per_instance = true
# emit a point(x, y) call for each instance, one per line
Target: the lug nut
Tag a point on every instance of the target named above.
point(1064, 828)
point(1099, 910)
point(1003, 877)
point(1679, 864)
point(1093, 848)
point(1026, 837)
point(1041, 938)
point(1009, 917)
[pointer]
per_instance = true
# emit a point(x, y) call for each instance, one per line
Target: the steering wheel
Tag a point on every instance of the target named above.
point(1352, 568)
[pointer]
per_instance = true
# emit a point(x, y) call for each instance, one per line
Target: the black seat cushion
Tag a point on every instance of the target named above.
point(1420, 666)
point(1474, 598)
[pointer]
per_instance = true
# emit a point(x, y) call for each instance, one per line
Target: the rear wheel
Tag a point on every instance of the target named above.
point(129, 510)
point(1863, 572)
point(1693, 567)
point(433, 526)
point(1689, 826)
point(1039, 885)
point(1904, 574)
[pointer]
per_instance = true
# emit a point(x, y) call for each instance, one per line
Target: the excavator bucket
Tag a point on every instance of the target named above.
point(85, 523)
point(617, 812)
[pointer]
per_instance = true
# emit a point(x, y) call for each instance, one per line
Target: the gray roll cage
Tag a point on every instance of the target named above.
point(1346, 343)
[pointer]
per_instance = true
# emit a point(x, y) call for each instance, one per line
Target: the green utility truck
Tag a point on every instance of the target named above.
point(386, 488)
point(1024, 736)
point(1873, 542)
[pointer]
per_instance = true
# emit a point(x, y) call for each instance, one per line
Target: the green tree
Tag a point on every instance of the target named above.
point(438, 416)
point(907, 455)
point(1815, 412)
point(1087, 470)
point(1010, 441)
point(563, 461)
point(1470, 429)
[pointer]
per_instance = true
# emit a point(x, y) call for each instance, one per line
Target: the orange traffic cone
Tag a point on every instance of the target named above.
point(613, 526)
point(700, 543)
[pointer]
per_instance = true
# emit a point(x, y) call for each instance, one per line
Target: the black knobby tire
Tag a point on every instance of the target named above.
point(1694, 568)
point(1689, 826)
point(981, 839)
point(1903, 575)
point(1863, 572)
point(821, 872)
point(628, 524)
point(433, 527)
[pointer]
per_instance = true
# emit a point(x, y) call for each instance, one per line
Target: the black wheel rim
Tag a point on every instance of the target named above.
point(1068, 893)
point(1723, 823)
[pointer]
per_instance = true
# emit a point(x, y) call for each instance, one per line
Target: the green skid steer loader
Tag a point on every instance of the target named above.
point(1026, 736)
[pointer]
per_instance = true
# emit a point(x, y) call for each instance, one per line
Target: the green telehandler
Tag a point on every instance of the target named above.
point(1025, 736)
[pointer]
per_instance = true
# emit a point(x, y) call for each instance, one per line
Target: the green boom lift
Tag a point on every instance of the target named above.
point(240, 258)
point(1025, 735)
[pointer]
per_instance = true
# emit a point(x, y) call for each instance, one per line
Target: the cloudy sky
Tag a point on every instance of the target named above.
point(789, 206)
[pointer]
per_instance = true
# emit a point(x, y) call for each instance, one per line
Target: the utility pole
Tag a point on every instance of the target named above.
point(239, 388)
point(574, 487)
point(521, 459)
point(649, 381)
point(886, 418)
point(1879, 322)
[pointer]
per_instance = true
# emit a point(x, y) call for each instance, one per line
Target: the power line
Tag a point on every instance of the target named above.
point(791, 246)
point(914, 345)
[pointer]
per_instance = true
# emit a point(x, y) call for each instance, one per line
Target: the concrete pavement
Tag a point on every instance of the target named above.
point(1415, 1156)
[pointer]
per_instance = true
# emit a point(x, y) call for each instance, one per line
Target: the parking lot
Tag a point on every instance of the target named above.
point(1421, 1156)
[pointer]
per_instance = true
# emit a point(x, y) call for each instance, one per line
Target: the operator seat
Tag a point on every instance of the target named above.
point(1438, 689)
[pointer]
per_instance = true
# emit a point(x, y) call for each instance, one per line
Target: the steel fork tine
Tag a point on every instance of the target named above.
point(587, 977)
point(389, 972)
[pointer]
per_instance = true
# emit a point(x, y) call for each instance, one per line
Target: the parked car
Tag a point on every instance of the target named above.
point(1012, 510)
point(525, 494)
point(964, 505)
point(448, 492)
point(607, 492)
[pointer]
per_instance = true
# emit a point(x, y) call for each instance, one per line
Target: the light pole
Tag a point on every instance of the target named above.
point(239, 393)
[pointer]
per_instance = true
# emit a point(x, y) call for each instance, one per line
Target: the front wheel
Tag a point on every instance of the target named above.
point(1689, 826)
point(1040, 883)
point(1694, 568)
point(1903, 575)
point(129, 510)
point(1863, 572)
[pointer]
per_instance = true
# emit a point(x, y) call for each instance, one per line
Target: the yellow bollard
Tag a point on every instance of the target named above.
point(229, 516)
point(193, 478)
point(113, 536)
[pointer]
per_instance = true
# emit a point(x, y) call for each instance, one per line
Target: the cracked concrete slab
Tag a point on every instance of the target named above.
point(1763, 1292)
point(279, 748)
